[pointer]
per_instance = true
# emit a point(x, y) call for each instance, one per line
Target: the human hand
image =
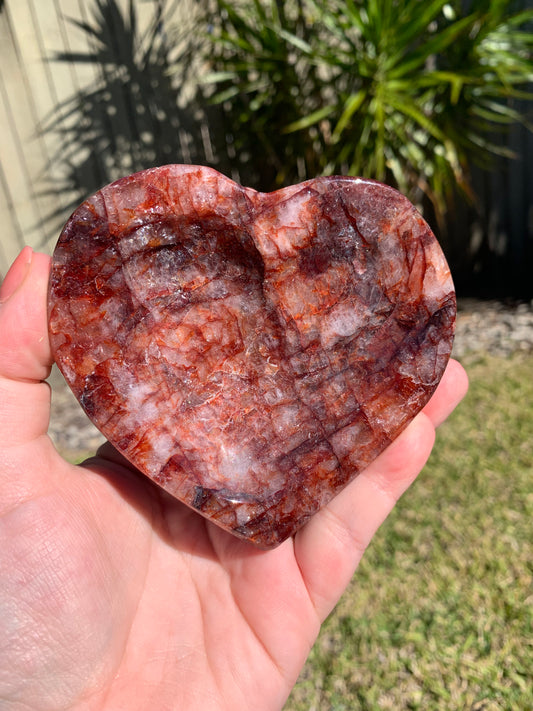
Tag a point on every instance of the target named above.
point(114, 595)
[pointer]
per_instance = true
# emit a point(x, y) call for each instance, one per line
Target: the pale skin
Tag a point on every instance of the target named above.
point(114, 596)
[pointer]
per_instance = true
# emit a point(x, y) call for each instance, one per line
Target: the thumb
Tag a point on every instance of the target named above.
point(25, 356)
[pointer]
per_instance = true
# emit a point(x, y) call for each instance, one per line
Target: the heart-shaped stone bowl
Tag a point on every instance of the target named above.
point(251, 353)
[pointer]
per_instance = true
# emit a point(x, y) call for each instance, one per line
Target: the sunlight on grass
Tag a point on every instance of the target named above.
point(440, 613)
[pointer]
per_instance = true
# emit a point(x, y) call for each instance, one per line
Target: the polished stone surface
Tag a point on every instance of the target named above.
point(249, 352)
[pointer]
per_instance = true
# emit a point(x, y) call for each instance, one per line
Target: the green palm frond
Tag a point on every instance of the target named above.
point(407, 91)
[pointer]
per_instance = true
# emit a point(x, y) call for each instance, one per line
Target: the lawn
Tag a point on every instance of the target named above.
point(440, 613)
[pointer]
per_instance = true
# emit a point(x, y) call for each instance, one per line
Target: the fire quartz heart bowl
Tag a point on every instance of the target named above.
point(251, 353)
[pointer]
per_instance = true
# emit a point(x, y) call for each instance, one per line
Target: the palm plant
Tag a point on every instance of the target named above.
point(404, 91)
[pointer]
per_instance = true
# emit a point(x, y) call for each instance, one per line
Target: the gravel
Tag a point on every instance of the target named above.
point(70, 429)
point(485, 327)
point(493, 327)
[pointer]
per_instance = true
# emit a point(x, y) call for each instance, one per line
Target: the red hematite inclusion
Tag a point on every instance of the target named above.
point(251, 353)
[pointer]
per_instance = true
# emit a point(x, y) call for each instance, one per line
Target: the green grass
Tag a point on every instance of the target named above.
point(440, 612)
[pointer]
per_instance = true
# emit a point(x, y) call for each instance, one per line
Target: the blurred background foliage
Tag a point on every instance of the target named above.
point(408, 92)
point(420, 94)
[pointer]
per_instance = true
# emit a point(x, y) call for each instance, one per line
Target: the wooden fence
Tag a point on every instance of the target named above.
point(82, 101)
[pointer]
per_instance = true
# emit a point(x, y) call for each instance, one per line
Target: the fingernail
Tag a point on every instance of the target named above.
point(16, 274)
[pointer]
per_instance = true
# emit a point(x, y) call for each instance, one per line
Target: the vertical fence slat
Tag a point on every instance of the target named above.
point(19, 150)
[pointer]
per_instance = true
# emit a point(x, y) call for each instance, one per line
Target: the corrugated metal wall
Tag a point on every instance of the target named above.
point(490, 245)
point(69, 125)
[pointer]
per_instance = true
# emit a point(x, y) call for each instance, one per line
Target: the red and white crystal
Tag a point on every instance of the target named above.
point(251, 353)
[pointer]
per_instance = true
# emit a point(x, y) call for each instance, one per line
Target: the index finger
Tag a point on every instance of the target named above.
point(451, 389)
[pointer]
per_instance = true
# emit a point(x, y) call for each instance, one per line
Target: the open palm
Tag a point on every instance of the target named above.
point(113, 595)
